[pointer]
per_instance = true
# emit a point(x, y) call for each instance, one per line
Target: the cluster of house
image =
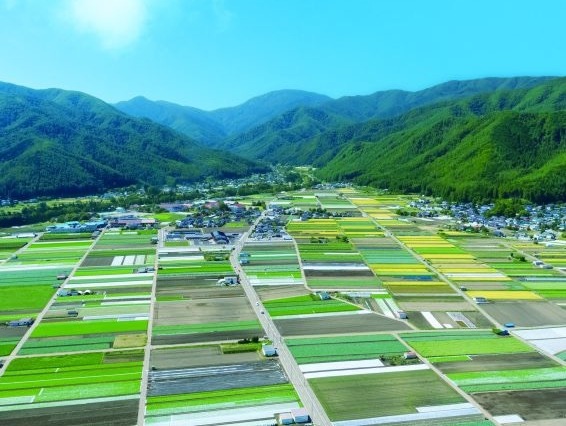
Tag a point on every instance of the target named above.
point(270, 178)
point(120, 218)
point(541, 223)
point(208, 215)
point(75, 226)
point(271, 226)
point(216, 236)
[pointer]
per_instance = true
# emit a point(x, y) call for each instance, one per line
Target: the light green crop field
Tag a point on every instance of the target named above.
point(67, 328)
point(28, 298)
point(524, 379)
point(69, 377)
point(308, 304)
point(344, 348)
point(213, 400)
point(451, 344)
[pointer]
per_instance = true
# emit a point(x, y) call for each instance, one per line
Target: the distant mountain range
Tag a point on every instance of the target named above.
point(476, 139)
point(56, 142)
point(211, 127)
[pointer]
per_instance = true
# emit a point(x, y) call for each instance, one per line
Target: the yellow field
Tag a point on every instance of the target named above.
point(489, 279)
point(449, 256)
point(505, 295)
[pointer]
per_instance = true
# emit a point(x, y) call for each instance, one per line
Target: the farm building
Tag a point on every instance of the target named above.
point(300, 415)
point(285, 419)
point(410, 355)
point(24, 322)
point(220, 237)
point(268, 350)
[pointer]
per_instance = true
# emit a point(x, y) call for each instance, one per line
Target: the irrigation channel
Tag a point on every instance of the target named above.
point(294, 374)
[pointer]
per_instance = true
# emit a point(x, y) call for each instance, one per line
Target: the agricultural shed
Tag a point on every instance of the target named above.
point(300, 415)
point(285, 419)
point(268, 350)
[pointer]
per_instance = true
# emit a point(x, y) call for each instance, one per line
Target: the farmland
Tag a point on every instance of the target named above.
point(344, 348)
point(162, 331)
point(340, 396)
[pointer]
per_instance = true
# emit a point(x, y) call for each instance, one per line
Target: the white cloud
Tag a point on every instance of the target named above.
point(116, 23)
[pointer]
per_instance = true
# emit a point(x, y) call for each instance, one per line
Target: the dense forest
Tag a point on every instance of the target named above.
point(505, 144)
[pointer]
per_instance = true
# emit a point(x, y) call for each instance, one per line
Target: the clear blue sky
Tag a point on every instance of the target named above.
point(214, 53)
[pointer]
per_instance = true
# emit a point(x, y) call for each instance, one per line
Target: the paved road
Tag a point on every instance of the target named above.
point(147, 350)
point(291, 367)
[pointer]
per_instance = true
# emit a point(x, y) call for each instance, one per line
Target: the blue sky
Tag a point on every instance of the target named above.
point(214, 53)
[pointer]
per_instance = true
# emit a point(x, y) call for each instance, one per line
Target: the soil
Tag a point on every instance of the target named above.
point(497, 362)
point(337, 325)
point(215, 336)
point(526, 314)
point(530, 405)
point(112, 413)
point(201, 311)
point(280, 292)
point(197, 357)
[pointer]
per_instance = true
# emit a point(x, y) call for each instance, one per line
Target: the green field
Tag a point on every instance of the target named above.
point(488, 381)
point(386, 394)
point(73, 328)
point(308, 304)
point(344, 348)
point(58, 378)
point(442, 344)
point(28, 298)
point(215, 400)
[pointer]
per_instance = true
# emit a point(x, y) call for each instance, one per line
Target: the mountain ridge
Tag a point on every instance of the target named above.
point(55, 142)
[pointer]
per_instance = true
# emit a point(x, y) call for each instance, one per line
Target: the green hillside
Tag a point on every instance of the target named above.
point(193, 122)
point(212, 127)
point(55, 142)
point(508, 143)
point(285, 139)
point(315, 135)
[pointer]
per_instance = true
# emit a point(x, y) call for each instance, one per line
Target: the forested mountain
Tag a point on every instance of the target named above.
point(476, 139)
point(56, 142)
point(503, 144)
point(286, 138)
point(193, 122)
point(210, 127)
point(289, 138)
